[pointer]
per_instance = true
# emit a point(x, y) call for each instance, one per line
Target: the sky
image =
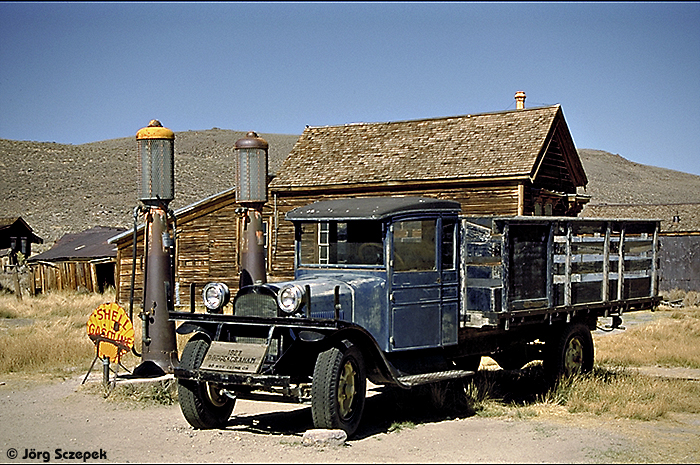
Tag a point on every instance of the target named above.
point(627, 75)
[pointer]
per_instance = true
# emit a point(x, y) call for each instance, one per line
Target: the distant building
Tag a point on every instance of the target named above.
point(15, 237)
point(81, 262)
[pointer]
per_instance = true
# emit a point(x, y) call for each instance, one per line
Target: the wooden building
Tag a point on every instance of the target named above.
point(79, 262)
point(519, 162)
point(15, 237)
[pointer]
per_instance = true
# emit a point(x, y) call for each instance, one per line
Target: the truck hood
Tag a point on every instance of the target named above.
point(367, 291)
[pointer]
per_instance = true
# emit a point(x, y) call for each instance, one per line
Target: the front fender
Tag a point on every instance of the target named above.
point(379, 369)
point(188, 327)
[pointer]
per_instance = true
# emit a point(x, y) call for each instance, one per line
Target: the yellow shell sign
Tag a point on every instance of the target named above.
point(111, 330)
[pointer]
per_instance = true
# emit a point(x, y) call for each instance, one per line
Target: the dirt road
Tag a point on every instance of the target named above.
point(41, 417)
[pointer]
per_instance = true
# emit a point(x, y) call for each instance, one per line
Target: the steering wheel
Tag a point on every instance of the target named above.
point(369, 252)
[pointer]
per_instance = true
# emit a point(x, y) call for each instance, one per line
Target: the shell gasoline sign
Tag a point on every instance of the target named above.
point(111, 331)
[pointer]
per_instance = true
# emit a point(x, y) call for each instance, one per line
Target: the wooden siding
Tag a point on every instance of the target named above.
point(123, 271)
point(72, 275)
point(553, 173)
point(206, 250)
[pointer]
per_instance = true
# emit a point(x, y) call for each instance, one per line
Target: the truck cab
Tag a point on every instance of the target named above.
point(394, 261)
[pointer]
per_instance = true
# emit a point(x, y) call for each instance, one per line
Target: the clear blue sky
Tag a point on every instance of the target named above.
point(626, 74)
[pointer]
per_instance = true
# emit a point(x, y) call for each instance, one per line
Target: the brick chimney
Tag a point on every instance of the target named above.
point(520, 100)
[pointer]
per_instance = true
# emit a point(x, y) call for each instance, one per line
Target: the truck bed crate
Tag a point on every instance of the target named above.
point(530, 265)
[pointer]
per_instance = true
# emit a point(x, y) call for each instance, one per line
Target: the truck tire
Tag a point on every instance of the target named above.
point(202, 405)
point(569, 352)
point(338, 389)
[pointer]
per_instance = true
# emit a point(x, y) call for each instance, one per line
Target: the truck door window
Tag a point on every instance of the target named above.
point(414, 245)
point(342, 243)
point(448, 245)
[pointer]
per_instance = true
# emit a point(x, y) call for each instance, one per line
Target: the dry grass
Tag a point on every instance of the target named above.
point(163, 392)
point(47, 333)
point(629, 395)
point(673, 341)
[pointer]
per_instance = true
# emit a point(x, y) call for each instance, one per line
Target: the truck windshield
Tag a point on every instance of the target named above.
point(342, 243)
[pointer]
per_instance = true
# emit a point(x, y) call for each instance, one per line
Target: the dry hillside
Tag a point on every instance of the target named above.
point(615, 180)
point(61, 189)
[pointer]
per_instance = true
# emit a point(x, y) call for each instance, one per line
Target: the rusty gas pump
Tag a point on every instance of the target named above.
point(251, 194)
point(156, 190)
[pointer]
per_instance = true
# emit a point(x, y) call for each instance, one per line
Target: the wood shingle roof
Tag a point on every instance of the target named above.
point(469, 147)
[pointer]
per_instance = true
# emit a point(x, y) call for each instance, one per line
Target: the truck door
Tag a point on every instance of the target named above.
point(424, 285)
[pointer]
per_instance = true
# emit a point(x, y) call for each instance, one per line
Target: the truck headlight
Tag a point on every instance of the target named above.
point(290, 297)
point(215, 296)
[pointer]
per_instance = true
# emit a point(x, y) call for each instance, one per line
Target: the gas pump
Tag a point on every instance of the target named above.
point(156, 190)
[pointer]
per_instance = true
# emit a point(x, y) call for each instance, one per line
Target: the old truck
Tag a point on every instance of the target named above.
point(404, 291)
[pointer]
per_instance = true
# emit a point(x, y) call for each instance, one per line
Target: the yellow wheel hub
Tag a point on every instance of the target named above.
point(346, 389)
point(573, 357)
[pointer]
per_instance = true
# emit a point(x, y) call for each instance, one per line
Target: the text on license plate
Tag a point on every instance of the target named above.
point(234, 356)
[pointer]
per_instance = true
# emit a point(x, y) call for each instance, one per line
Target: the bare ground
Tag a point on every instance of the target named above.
point(46, 416)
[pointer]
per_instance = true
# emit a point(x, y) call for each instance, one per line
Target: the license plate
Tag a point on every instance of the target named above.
point(234, 356)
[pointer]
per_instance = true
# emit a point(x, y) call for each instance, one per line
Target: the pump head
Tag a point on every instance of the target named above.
point(156, 164)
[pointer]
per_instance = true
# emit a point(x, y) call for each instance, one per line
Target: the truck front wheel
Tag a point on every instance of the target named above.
point(203, 404)
point(570, 352)
point(338, 389)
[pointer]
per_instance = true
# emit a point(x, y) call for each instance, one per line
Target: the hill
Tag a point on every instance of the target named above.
point(60, 189)
point(613, 179)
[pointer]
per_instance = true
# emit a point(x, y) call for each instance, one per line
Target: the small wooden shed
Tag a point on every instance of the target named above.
point(520, 162)
point(15, 236)
point(81, 262)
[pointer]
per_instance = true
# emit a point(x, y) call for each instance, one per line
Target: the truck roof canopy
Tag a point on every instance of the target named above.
point(370, 208)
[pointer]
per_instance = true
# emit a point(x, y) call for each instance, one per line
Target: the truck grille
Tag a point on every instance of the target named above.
point(263, 306)
point(260, 305)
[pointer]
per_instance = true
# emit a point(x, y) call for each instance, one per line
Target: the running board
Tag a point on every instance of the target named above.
point(427, 378)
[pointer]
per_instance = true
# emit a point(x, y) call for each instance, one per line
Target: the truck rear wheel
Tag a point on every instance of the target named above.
point(570, 352)
point(338, 389)
point(203, 404)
